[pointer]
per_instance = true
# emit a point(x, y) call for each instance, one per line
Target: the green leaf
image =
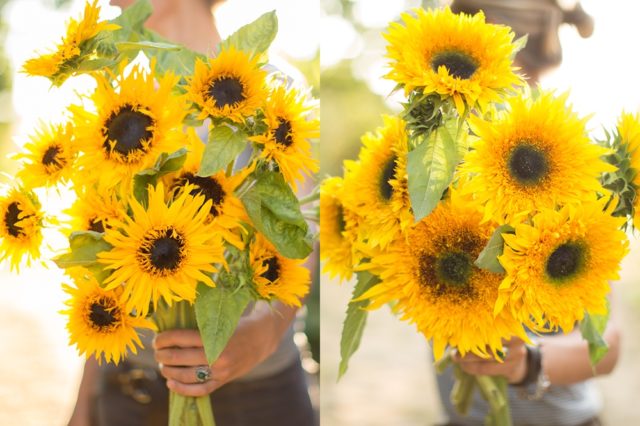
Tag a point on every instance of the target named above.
point(275, 212)
point(224, 146)
point(592, 328)
point(256, 37)
point(519, 44)
point(354, 322)
point(84, 247)
point(430, 168)
point(141, 45)
point(166, 163)
point(488, 258)
point(94, 64)
point(132, 20)
point(218, 311)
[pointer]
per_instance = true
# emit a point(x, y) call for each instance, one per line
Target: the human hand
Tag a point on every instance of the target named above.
point(513, 368)
point(180, 352)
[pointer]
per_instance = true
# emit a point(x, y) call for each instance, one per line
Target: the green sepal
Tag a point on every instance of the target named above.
point(255, 37)
point(224, 145)
point(488, 258)
point(519, 44)
point(166, 163)
point(275, 212)
point(355, 321)
point(84, 247)
point(218, 311)
point(592, 328)
point(431, 165)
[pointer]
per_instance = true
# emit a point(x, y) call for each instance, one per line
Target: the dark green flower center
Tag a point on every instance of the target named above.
point(209, 187)
point(166, 251)
point(282, 134)
point(342, 225)
point(11, 217)
point(50, 157)
point(565, 261)
point(527, 164)
point(226, 91)
point(458, 64)
point(388, 174)
point(454, 268)
point(129, 130)
point(273, 269)
point(103, 316)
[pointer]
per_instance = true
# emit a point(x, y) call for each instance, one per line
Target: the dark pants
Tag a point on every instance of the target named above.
point(130, 397)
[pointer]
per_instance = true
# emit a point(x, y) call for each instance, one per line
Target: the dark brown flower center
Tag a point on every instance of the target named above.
point(273, 269)
point(565, 261)
point(454, 268)
point(165, 251)
point(458, 64)
point(527, 164)
point(388, 173)
point(226, 91)
point(11, 217)
point(207, 186)
point(282, 134)
point(103, 313)
point(129, 129)
point(96, 225)
point(53, 158)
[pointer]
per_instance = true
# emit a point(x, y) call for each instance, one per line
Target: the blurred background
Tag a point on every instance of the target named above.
point(390, 380)
point(40, 373)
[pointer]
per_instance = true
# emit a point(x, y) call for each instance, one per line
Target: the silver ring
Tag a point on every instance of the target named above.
point(203, 373)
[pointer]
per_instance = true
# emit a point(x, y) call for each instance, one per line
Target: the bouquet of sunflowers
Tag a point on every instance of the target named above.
point(167, 231)
point(484, 210)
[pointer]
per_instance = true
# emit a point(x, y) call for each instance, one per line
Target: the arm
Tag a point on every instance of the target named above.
point(257, 336)
point(565, 357)
point(82, 411)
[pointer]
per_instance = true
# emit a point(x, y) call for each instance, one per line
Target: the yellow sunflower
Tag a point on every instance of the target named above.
point(21, 228)
point(433, 278)
point(49, 157)
point(456, 56)
point(75, 43)
point(629, 130)
point(95, 209)
point(277, 277)
point(536, 155)
point(561, 265)
point(226, 212)
point(162, 251)
point(133, 125)
point(290, 125)
point(337, 230)
point(99, 324)
point(375, 188)
point(231, 85)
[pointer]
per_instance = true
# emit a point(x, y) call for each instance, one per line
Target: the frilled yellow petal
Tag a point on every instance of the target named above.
point(20, 228)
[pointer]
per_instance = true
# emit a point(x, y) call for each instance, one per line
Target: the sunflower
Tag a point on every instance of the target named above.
point(95, 209)
point(456, 56)
point(21, 228)
point(226, 212)
point(629, 131)
point(375, 188)
point(231, 85)
point(433, 278)
point(76, 43)
point(559, 266)
point(48, 158)
point(289, 128)
point(162, 251)
point(536, 155)
point(99, 324)
point(133, 125)
point(337, 230)
point(275, 276)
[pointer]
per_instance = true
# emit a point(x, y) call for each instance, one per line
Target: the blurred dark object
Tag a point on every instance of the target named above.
point(540, 19)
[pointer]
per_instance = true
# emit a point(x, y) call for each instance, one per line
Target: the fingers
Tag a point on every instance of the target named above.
point(200, 389)
point(181, 357)
point(181, 338)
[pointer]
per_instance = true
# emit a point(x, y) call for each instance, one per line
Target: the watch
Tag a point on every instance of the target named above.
point(535, 375)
